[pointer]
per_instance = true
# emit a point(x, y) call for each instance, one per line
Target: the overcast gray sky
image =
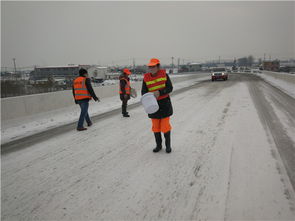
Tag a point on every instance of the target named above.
point(59, 33)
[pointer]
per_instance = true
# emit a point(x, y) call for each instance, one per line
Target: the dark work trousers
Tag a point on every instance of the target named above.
point(84, 104)
point(124, 103)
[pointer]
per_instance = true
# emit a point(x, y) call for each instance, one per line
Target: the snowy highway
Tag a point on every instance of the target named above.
point(233, 158)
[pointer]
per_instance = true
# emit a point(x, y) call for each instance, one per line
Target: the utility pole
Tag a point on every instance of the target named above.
point(133, 65)
point(172, 64)
point(14, 68)
point(178, 62)
point(14, 65)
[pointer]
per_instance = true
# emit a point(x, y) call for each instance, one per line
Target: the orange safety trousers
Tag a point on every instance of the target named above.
point(161, 125)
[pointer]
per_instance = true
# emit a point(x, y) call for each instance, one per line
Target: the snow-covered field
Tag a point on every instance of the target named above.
point(224, 165)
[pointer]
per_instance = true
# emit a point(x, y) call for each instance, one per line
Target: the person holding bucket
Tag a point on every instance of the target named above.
point(159, 83)
point(125, 90)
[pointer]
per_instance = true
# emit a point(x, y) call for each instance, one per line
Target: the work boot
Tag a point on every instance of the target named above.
point(81, 129)
point(89, 124)
point(158, 139)
point(168, 142)
point(124, 109)
point(126, 115)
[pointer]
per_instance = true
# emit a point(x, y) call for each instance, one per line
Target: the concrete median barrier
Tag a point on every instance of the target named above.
point(21, 106)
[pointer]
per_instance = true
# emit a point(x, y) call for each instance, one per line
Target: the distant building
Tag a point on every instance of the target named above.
point(222, 65)
point(170, 71)
point(190, 67)
point(113, 75)
point(271, 65)
point(195, 67)
point(287, 66)
point(68, 72)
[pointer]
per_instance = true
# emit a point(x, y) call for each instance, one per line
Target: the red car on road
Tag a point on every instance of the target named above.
point(219, 74)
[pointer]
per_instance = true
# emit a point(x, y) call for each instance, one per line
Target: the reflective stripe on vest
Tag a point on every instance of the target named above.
point(127, 86)
point(156, 83)
point(80, 88)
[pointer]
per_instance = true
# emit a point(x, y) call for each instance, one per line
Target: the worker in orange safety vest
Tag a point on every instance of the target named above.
point(124, 90)
point(83, 92)
point(159, 83)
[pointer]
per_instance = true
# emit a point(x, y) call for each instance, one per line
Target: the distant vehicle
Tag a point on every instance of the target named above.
point(234, 68)
point(241, 69)
point(247, 71)
point(97, 80)
point(219, 74)
point(255, 71)
point(60, 81)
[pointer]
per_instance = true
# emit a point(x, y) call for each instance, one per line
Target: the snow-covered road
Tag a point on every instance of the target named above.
point(226, 163)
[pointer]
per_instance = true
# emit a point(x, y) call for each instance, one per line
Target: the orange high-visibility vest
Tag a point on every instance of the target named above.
point(156, 83)
point(127, 86)
point(80, 89)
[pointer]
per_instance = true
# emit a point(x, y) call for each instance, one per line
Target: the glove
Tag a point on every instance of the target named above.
point(126, 96)
point(156, 93)
point(96, 99)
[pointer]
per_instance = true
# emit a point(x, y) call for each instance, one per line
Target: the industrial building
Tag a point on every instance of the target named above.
point(68, 72)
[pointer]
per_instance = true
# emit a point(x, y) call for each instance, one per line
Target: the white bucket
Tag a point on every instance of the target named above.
point(149, 103)
point(133, 93)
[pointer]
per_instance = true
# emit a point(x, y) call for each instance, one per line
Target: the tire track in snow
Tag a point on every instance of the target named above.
point(271, 122)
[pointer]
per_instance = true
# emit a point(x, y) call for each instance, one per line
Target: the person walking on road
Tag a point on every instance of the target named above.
point(125, 90)
point(159, 83)
point(83, 92)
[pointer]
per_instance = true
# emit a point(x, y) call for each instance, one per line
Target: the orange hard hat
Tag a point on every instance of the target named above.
point(126, 71)
point(154, 62)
